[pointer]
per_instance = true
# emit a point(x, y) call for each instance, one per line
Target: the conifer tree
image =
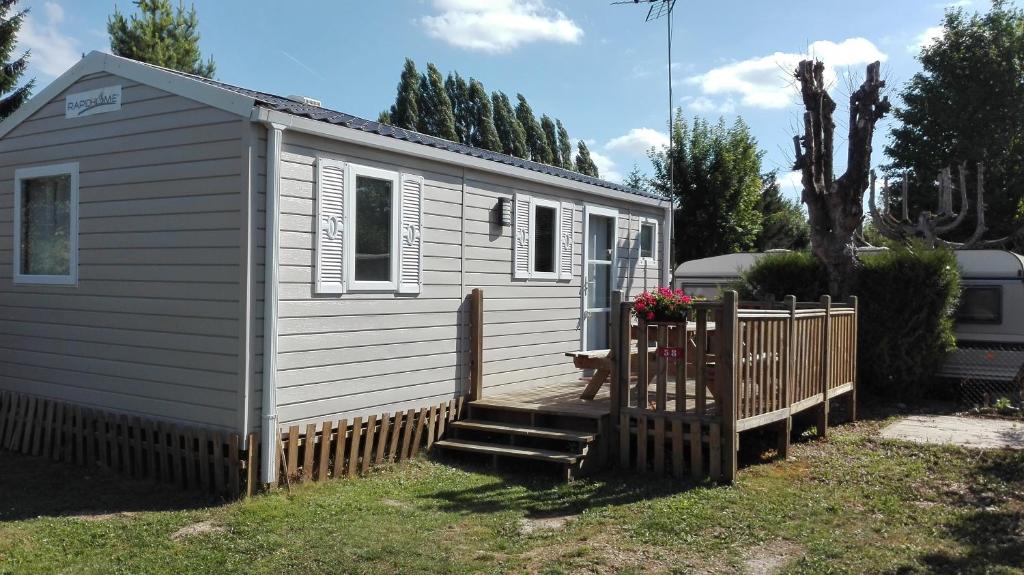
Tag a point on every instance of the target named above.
point(458, 94)
point(384, 117)
point(435, 108)
point(535, 141)
point(160, 35)
point(564, 146)
point(547, 126)
point(484, 135)
point(584, 163)
point(404, 112)
point(510, 131)
point(12, 69)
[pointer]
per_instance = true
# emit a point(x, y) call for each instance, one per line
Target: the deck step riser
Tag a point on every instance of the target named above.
point(549, 420)
point(561, 445)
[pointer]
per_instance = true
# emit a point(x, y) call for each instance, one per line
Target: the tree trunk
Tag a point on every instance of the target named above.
point(835, 206)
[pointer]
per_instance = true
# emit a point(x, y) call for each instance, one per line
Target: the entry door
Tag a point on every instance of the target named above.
point(599, 270)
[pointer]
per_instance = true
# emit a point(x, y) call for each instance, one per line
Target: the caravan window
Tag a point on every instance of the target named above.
point(980, 304)
point(46, 225)
point(373, 248)
point(545, 233)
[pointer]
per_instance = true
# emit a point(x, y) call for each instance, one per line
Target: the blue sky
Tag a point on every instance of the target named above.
point(598, 67)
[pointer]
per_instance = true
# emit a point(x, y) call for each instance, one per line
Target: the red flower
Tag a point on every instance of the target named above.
point(640, 306)
point(650, 315)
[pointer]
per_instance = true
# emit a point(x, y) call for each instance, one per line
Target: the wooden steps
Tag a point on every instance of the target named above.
point(508, 451)
point(496, 430)
point(525, 431)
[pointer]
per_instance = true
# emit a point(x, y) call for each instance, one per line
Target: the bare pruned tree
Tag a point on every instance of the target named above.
point(835, 206)
point(929, 226)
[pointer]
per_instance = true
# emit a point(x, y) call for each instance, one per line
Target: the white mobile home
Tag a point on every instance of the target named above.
point(155, 227)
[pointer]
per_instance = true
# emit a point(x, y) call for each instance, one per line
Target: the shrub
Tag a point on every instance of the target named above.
point(907, 299)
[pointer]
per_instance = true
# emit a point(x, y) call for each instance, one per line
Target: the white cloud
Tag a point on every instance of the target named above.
point(53, 51)
point(766, 81)
point(959, 4)
point(499, 25)
point(926, 39)
point(606, 167)
point(791, 182)
point(637, 141)
point(705, 105)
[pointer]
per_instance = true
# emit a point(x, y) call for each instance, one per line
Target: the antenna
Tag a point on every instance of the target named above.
point(663, 9)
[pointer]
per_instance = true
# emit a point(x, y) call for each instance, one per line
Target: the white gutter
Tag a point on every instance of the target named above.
point(268, 446)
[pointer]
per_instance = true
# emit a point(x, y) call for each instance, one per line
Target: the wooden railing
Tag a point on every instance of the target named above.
point(684, 392)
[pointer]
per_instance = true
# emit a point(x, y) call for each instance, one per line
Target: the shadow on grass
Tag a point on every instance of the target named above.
point(32, 487)
point(991, 529)
point(536, 491)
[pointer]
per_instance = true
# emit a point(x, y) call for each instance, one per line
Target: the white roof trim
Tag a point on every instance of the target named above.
point(97, 62)
point(369, 139)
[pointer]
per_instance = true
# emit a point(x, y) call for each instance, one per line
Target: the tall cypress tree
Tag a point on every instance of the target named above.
point(160, 35)
point(510, 131)
point(547, 126)
point(458, 94)
point(435, 108)
point(564, 146)
point(484, 134)
point(535, 141)
point(405, 112)
point(11, 70)
point(584, 163)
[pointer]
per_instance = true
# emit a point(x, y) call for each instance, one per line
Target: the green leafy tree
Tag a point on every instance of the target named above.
point(484, 135)
point(637, 180)
point(435, 107)
point(13, 70)
point(384, 117)
point(405, 112)
point(564, 146)
point(584, 163)
point(510, 131)
point(535, 141)
point(162, 35)
point(547, 126)
point(783, 222)
point(967, 105)
point(717, 176)
point(458, 94)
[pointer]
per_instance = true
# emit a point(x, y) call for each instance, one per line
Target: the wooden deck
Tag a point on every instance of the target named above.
point(564, 397)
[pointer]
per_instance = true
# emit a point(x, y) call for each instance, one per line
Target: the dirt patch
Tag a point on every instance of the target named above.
point(201, 528)
point(395, 503)
point(531, 525)
point(771, 557)
point(103, 516)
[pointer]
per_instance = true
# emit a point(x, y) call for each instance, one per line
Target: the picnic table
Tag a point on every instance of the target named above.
point(602, 361)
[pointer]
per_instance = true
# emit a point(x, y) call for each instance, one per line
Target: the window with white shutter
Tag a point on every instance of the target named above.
point(330, 239)
point(565, 243)
point(542, 245)
point(411, 269)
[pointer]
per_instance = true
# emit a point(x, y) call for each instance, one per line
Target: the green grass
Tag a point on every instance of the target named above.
point(851, 504)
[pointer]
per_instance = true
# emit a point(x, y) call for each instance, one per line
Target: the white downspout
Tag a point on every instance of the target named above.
point(668, 234)
point(268, 445)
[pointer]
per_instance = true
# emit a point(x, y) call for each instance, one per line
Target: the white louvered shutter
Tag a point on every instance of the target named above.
point(521, 237)
point(330, 217)
point(411, 268)
point(565, 240)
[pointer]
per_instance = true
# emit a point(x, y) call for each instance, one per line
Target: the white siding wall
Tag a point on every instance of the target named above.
point(153, 326)
point(357, 354)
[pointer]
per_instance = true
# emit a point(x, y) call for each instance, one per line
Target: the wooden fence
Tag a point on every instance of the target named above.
point(189, 458)
point(731, 368)
point(342, 448)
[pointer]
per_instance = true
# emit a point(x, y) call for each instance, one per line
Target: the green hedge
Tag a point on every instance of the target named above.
point(907, 299)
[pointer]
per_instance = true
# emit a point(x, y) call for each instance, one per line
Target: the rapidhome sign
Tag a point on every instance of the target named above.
point(93, 102)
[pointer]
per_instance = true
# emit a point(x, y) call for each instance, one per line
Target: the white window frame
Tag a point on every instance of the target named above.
point(557, 206)
point(653, 259)
point(21, 174)
point(352, 172)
